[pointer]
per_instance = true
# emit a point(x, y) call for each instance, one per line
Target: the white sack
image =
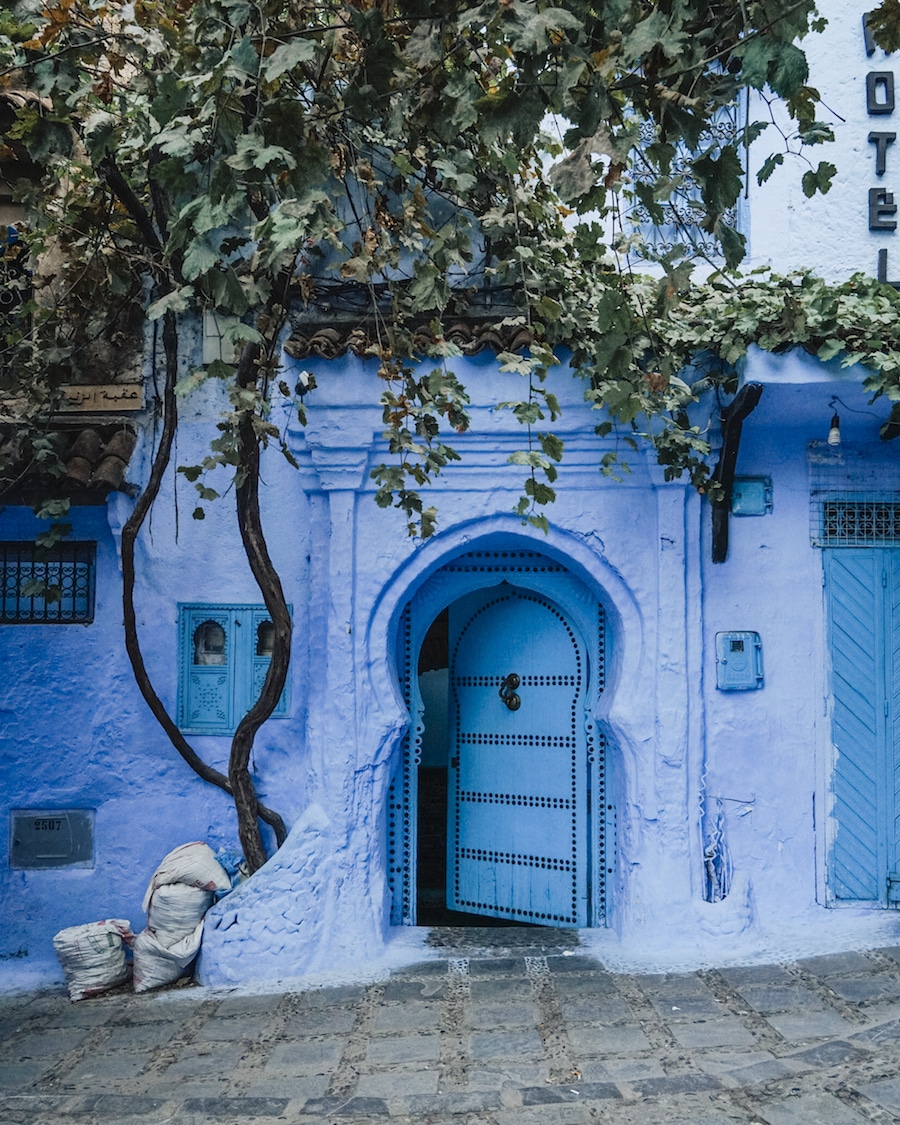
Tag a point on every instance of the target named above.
point(195, 865)
point(175, 910)
point(154, 965)
point(93, 956)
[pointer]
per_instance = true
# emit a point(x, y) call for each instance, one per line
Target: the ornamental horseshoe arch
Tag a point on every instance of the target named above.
point(516, 579)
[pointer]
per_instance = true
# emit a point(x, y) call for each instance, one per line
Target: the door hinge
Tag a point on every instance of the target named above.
point(454, 763)
point(893, 887)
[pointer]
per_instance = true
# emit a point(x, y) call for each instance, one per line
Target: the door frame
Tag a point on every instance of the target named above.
point(467, 572)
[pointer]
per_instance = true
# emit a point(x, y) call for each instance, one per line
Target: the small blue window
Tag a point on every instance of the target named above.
point(225, 654)
point(47, 586)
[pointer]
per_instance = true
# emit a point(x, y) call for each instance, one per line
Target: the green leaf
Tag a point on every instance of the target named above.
point(288, 55)
point(773, 161)
point(819, 180)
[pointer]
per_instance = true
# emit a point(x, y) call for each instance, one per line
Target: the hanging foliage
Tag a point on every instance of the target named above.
point(241, 158)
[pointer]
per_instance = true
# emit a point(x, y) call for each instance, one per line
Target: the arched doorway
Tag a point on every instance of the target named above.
point(499, 806)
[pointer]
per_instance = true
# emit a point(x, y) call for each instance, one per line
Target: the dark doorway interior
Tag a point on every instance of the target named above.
point(431, 872)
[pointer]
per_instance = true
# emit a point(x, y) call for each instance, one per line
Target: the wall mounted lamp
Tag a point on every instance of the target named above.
point(834, 434)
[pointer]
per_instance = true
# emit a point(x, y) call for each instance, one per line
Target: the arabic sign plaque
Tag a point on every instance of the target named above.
point(100, 399)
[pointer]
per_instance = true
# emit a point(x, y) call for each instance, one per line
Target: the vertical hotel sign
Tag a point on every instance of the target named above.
point(880, 104)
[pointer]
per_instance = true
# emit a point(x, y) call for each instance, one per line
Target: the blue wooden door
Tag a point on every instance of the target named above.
point(517, 806)
point(864, 611)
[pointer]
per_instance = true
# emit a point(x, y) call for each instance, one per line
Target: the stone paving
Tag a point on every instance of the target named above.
point(525, 1034)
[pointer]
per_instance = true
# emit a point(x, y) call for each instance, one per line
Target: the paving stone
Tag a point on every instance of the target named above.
point(512, 1044)
point(674, 1084)
point(595, 1010)
point(507, 1074)
point(101, 1067)
point(403, 1049)
point(503, 1015)
point(296, 1087)
point(713, 1033)
point(600, 1040)
point(331, 997)
point(22, 1076)
point(499, 989)
point(398, 1083)
point(575, 964)
point(562, 1114)
point(312, 1056)
point(760, 1073)
point(831, 964)
point(236, 1107)
point(208, 1058)
point(739, 975)
point(687, 1007)
point(781, 998)
point(885, 1092)
point(320, 1021)
point(888, 1032)
point(113, 1107)
point(597, 988)
point(829, 1054)
point(624, 1069)
point(497, 967)
point(262, 1005)
point(234, 1028)
point(462, 1101)
point(665, 985)
point(140, 1036)
point(807, 1109)
point(436, 968)
point(325, 1108)
point(797, 1027)
point(722, 1062)
point(402, 990)
point(409, 1017)
point(52, 1043)
point(861, 988)
point(549, 1095)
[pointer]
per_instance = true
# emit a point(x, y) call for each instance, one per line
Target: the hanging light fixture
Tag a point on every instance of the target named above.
point(834, 434)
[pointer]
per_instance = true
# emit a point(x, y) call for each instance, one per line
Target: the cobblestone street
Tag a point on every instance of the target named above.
point(516, 1035)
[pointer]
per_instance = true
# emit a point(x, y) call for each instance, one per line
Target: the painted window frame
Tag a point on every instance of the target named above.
point(69, 567)
point(214, 697)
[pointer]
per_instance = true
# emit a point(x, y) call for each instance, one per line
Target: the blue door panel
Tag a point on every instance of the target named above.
point(518, 785)
point(857, 612)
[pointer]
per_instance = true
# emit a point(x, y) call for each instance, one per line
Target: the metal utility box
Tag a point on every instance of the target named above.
point(738, 661)
point(44, 838)
point(751, 496)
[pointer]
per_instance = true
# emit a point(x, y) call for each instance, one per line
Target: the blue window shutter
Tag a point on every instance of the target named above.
point(223, 663)
point(207, 677)
point(259, 661)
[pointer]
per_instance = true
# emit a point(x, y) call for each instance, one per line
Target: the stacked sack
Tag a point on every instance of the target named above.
point(182, 889)
point(93, 956)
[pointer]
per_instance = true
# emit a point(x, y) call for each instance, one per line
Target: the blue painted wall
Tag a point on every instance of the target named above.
point(690, 765)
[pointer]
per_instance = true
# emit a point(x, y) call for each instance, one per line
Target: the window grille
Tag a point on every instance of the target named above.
point(53, 586)
point(845, 509)
point(684, 210)
point(846, 522)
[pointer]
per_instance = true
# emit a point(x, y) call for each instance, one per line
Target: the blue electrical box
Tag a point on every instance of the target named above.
point(751, 496)
point(738, 661)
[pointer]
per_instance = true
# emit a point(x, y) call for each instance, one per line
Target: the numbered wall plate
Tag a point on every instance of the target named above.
point(44, 838)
